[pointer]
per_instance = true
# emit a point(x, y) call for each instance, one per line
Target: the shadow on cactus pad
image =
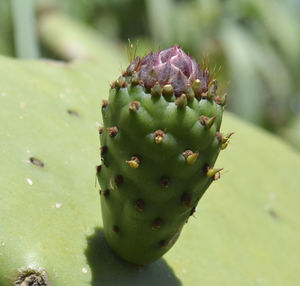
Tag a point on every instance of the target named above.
point(112, 270)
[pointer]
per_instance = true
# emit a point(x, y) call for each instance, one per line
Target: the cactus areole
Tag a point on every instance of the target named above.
point(159, 141)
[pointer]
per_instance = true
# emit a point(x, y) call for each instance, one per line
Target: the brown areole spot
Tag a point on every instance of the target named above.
point(32, 277)
point(73, 113)
point(139, 205)
point(186, 199)
point(100, 129)
point(157, 224)
point(36, 162)
point(119, 180)
point(104, 104)
point(165, 181)
point(134, 106)
point(98, 169)
point(162, 244)
point(103, 150)
point(112, 131)
point(159, 136)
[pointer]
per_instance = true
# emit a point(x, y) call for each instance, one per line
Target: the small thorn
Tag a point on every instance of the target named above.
point(168, 90)
point(103, 150)
point(190, 94)
point(211, 172)
point(120, 82)
point(134, 162)
point(135, 79)
point(104, 104)
point(224, 145)
point(100, 130)
point(203, 119)
point(134, 106)
point(112, 131)
point(113, 85)
point(165, 181)
point(206, 121)
point(116, 229)
point(156, 90)
point(191, 159)
point(227, 136)
point(217, 176)
point(157, 224)
point(139, 205)
point(190, 156)
point(224, 139)
point(186, 199)
point(181, 101)
point(197, 88)
point(158, 136)
point(117, 84)
point(222, 99)
point(193, 210)
point(212, 89)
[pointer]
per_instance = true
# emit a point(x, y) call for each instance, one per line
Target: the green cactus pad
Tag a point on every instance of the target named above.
point(245, 232)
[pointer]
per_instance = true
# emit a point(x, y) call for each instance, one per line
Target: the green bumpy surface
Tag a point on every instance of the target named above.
point(144, 208)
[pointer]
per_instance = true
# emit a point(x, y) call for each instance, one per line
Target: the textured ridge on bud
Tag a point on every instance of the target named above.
point(171, 66)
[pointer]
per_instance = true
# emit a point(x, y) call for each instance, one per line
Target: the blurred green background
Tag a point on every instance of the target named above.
point(253, 46)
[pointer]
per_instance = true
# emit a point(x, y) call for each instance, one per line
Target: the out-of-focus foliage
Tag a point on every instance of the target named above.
point(75, 40)
point(114, 18)
point(253, 45)
point(6, 35)
point(25, 35)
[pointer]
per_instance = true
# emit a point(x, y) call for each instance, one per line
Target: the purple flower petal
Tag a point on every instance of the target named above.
point(179, 83)
point(172, 66)
point(166, 55)
point(163, 72)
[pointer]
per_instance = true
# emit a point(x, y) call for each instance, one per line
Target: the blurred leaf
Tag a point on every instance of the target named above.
point(6, 28)
point(238, 47)
point(26, 43)
point(124, 17)
point(160, 15)
point(281, 20)
point(75, 40)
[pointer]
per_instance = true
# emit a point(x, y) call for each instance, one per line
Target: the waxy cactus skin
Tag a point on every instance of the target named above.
point(160, 141)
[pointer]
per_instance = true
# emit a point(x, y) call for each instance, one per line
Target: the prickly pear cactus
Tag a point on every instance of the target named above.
point(160, 141)
point(245, 231)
